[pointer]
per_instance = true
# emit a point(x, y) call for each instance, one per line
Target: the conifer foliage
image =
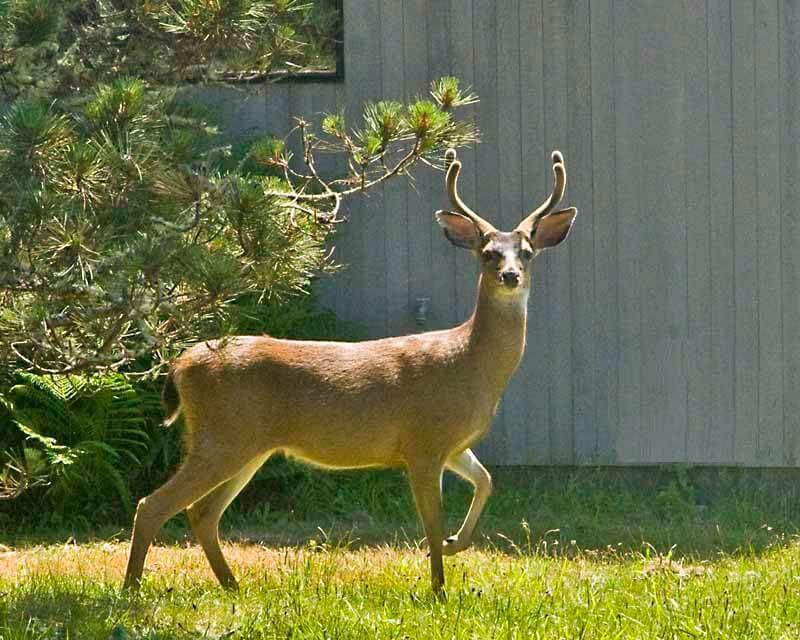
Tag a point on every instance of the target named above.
point(128, 228)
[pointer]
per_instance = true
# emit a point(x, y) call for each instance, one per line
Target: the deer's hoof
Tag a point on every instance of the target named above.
point(453, 545)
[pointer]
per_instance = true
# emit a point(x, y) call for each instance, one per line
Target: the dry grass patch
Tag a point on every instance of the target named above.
point(105, 561)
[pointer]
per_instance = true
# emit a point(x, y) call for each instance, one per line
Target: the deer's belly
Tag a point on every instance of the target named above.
point(353, 457)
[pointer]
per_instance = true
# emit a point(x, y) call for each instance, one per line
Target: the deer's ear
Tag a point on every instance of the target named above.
point(552, 229)
point(460, 230)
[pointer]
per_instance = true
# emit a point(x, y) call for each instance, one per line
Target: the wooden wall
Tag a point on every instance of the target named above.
point(667, 328)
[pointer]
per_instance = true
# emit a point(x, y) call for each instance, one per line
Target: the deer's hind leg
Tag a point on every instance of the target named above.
point(198, 476)
point(204, 516)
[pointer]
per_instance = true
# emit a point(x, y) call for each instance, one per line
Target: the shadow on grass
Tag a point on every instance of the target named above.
point(700, 512)
point(53, 607)
point(29, 620)
point(696, 512)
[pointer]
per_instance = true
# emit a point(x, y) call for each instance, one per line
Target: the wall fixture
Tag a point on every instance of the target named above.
point(421, 310)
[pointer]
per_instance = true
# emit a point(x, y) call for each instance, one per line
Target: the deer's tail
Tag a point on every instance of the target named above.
point(170, 399)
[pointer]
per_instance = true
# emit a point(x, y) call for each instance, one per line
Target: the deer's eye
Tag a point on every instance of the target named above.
point(490, 255)
point(526, 254)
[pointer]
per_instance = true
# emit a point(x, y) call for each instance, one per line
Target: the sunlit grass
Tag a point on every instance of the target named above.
point(317, 591)
point(582, 554)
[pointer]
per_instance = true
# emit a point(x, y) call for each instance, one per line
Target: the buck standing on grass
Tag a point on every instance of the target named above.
point(418, 401)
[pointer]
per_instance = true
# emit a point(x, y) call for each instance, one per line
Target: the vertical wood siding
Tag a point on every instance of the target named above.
point(667, 328)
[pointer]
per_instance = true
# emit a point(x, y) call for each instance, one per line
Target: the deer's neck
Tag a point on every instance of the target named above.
point(497, 333)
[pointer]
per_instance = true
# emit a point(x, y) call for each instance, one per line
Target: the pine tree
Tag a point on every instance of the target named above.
point(127, 227)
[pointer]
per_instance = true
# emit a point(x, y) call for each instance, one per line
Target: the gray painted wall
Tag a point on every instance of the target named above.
point(667, 329)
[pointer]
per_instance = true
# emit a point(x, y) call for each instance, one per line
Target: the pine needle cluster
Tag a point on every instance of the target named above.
point(128, 232)
point(62, 46)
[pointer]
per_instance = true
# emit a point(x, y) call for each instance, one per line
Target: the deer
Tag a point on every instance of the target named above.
point(418, 401)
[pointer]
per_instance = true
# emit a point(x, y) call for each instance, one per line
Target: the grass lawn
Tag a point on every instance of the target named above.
point(655, 554)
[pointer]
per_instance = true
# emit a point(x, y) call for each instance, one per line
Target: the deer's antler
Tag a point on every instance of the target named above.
point(451, 178)
point(559, 185)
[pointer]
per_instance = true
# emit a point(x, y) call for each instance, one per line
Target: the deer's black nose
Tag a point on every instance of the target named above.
point(510, 278)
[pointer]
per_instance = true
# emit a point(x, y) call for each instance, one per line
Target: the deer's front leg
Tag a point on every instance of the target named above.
point(469, 467)
point(425, 477)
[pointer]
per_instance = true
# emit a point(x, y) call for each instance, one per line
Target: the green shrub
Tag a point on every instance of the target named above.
point(76, 437)
point(297, 318)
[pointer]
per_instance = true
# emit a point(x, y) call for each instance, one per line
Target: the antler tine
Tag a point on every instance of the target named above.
point(451, 179)
point(559, 186)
